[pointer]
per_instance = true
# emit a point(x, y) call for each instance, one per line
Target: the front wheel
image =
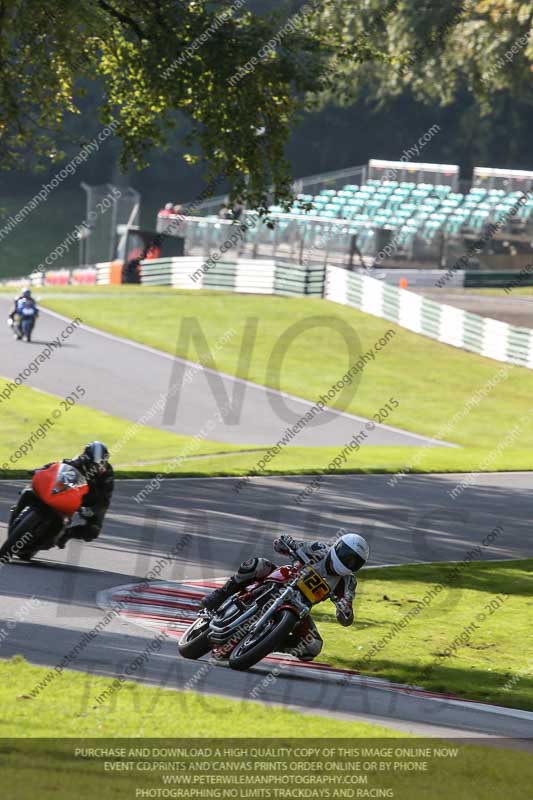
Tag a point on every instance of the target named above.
point(258, 644)
point(195, 643)
point(22, 537)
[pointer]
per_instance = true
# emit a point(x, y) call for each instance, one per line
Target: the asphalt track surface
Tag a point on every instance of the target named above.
point(415, 521)
point(127, 379)
point(513, 309)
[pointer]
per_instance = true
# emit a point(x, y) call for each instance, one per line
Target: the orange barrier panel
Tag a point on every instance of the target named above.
point(115, 272)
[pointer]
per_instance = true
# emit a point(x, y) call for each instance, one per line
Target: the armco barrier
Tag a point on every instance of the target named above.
point(84, 277)
point(76, 277)
point(57, 277)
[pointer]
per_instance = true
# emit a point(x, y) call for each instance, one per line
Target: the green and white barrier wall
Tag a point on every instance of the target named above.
point(247, 276)
point(487, 337)
point(445, 323)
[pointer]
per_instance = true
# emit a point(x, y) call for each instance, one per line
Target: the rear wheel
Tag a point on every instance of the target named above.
point(195, 643)
point(22, 539)
point(258, 644)
point(27, 331)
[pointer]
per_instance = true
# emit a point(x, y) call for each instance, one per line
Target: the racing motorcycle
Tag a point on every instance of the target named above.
point(24, 322)
point(54, 500)
point(258, 620)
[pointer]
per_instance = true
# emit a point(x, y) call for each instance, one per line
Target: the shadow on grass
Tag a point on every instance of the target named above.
point(493, 577)
point(471, 683)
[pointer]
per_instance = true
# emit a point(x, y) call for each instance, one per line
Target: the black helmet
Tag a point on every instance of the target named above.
point(26, 293)
point(98, 453)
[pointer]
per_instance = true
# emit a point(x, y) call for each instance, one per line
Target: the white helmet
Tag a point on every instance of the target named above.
point(349, 553)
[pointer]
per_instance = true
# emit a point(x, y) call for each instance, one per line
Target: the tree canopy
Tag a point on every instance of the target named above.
point(433, 49)
point(240, 78)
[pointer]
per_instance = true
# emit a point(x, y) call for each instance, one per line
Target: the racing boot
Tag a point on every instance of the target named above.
point(214, 599)
point(62, 538)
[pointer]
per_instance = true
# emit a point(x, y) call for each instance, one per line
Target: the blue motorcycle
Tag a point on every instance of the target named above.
point(24, 321)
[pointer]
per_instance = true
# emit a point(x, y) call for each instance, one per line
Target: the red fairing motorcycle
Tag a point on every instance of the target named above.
point(258, 620)
point(56, 494)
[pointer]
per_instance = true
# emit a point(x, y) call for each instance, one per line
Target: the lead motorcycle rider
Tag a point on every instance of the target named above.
point(93, 463)
point(336, 564)
point(22, 300)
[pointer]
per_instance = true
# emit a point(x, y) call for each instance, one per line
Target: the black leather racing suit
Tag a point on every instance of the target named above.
point(98, 498)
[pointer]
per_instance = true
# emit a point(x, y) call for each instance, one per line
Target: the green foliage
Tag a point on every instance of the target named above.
point(435, 50)
point(202, 71)
point(153, 59)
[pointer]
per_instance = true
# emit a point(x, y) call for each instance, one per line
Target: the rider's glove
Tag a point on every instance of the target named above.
point(344, 613)
point(284, 544)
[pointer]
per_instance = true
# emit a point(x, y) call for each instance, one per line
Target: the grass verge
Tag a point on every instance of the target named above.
point(72, 427)
point(316, 460)
point(297, 347)
point(180, 456)
point(67, 708)
point(471, 638)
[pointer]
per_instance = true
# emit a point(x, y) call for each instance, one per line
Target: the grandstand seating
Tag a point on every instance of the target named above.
point(410, 210)
point(420, 217)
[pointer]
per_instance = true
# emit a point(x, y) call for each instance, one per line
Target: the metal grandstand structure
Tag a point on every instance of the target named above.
point(390, 213)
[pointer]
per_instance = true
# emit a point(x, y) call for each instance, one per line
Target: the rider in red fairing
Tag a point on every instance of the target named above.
point(94, 465)
point(336, 564)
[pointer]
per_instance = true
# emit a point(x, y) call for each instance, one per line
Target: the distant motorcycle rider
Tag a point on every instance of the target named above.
point(336, 564)
point(24, 298)
point(93, 463)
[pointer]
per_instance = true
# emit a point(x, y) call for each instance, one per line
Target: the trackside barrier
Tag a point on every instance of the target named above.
point(245, 275)
point(85, 276)
point(447, 324)
point(103, 273)
point(57, 277)
point(498, 279)
point(444, 323)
